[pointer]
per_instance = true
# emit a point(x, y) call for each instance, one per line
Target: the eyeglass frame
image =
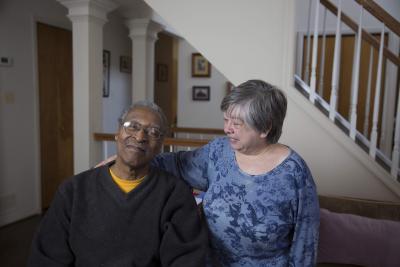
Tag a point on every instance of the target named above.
point(146, 130)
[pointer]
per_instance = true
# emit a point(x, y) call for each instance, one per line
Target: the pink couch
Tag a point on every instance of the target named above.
point(357, 232)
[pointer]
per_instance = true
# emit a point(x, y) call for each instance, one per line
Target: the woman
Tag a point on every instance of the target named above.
point(260, 200)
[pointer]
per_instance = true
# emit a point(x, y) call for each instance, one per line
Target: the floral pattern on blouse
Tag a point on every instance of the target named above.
point(270, 219)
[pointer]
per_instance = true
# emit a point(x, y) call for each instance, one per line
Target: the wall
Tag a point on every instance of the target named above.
point(19, 132)
point(243, 45)
point(19, 125)
point(198, 114)
point(116, 40)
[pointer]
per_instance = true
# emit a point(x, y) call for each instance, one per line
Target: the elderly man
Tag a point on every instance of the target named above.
point(125, 213)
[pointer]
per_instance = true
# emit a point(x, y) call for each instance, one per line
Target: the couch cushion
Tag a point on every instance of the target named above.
point(353, 239)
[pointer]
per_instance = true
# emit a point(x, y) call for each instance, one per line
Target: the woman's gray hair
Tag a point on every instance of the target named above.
point(262, 105)
point(149, 105)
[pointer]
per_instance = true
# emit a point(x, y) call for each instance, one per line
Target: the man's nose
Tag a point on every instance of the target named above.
point(141, 135)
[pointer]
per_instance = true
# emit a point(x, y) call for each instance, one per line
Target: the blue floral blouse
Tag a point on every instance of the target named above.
point(254, 220)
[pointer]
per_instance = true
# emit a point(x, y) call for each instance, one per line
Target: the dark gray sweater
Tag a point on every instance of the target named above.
point(91, 222)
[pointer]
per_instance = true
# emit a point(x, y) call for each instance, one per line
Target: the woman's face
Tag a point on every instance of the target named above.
point(242, 137)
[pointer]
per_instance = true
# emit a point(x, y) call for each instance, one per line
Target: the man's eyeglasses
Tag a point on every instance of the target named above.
point(133, 127)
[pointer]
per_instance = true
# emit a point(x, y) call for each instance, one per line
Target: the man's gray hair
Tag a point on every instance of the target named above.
point(261, 105)
point(149, 105)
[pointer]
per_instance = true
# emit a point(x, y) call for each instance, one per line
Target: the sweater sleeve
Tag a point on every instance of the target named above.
point(184, 240)
point(192, 166)
point(303, 251)
point(50, 245)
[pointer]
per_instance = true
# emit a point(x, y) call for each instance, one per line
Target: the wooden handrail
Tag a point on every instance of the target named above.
point(197, 130)
point(104, 137)
point(168, 141)
point(365, 35)
point(381, 15)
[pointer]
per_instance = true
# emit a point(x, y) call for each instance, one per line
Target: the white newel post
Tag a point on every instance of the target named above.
point(88, 18)
point(143, 33)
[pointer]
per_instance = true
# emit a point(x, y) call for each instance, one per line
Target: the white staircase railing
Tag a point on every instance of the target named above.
point(351, 106)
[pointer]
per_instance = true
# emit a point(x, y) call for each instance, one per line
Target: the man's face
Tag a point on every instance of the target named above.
point(136, 141)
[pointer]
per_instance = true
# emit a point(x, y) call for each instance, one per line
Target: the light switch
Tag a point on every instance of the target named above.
point(6, 62)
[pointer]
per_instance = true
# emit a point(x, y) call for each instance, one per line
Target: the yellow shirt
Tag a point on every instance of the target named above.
point(124, 184)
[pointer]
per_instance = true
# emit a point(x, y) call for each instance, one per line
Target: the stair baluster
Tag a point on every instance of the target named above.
point(368, 97)
point(374, 132)
point(314, 54)
point(355, 79)
point(336, 64)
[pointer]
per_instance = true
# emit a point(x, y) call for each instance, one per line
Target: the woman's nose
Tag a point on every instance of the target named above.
point(228, 127)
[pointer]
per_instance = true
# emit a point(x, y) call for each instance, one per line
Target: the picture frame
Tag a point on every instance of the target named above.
point(162, 72)
point(106, 72)
point(125, 64)
point(201, 93)
point(200, 66)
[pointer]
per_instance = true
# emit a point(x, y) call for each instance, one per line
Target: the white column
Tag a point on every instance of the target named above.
point(143, 33)
point(88, 18)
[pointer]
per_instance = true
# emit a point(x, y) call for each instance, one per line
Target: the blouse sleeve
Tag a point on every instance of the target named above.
point(303, 251)
point(191, 166)
point(184, 241)
point(50, 245)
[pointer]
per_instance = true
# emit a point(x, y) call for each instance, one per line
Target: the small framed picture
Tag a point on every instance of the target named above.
point(162, 72)
point(125, 64)
point(106, 73)
point(200, 66)
point(201, 93)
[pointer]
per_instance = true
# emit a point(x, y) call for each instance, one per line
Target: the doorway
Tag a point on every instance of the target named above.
point(54, 54)
point(165, 78)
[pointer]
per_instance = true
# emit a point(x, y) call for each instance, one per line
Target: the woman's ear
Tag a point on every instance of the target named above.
point(264, 135)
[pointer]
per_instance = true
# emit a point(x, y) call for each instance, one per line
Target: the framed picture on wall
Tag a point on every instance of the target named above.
point(200, 66)
point(106, 73)
point(201, 93)
point(125, 64)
